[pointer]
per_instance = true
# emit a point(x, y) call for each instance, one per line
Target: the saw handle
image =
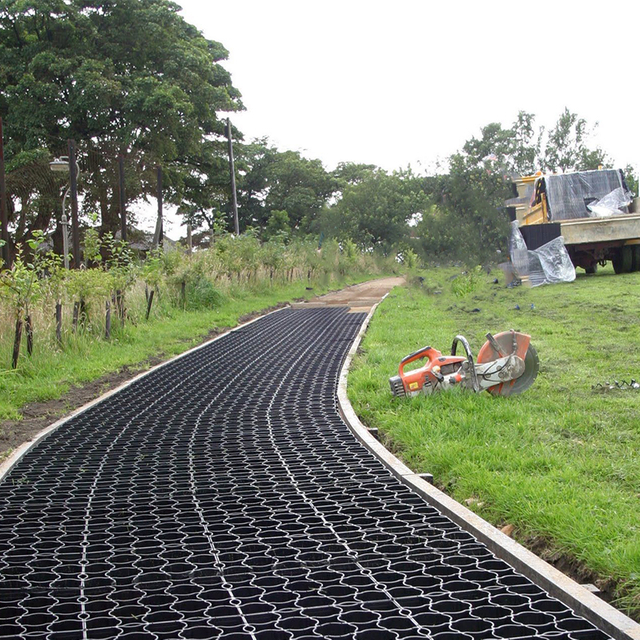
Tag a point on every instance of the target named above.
point(472, 367)
point(426, 352)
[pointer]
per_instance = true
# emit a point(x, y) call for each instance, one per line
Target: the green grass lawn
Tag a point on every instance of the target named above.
point(559, 462)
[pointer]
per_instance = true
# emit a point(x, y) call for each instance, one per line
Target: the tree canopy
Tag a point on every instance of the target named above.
point(467, 221)
point(375, 210)
point(125, 77)
point(272, 180)
point(524, 148)
point(132, 78)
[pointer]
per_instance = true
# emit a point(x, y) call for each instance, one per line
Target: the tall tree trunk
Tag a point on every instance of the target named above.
point(21, 224)
point(109, 203)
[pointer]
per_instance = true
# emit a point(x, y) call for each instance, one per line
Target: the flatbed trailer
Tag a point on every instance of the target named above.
point(589, 240)
point(597, 240)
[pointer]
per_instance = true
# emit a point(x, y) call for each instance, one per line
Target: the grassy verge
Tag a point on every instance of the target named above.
point(559, 462)
point(51, 372)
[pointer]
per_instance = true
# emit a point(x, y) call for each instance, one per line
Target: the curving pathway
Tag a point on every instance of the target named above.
point(222, 496)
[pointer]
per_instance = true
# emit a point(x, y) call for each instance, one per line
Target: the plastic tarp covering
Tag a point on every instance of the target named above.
point(571, 195)
point(549, 264)
point(612, 204)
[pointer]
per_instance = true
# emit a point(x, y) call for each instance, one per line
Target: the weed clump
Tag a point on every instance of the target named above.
point(201, 293)
point(467, 283)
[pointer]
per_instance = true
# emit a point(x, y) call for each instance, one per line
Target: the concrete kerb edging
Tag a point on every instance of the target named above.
point(558, 585)
point(22, 450)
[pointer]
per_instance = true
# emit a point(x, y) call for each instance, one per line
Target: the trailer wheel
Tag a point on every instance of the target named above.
point(635, 251)
point(623, 260)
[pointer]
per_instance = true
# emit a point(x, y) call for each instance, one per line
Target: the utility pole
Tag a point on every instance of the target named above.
point(123, 212)
point(4, 216)
point(157, 236)
point(75, 228)
point(232, 170)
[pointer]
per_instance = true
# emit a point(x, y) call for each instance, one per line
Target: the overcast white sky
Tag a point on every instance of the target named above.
point(408, 81)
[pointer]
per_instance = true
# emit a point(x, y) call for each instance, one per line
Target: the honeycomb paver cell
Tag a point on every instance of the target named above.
point(222, 496)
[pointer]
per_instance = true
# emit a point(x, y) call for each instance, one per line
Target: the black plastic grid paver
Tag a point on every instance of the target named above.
point(222, 496)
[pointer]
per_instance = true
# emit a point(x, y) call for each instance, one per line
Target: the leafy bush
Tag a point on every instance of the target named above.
point(467, 283)
point(202, 294)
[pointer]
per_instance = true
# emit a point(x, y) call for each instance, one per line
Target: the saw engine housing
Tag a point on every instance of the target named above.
point(507, 363)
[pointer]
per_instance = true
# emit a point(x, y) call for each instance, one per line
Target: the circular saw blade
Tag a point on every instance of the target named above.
point(531, 362)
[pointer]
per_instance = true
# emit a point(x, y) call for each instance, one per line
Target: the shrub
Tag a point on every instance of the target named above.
point(467, 283)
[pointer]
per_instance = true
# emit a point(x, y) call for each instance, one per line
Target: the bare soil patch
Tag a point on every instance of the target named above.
point(359, 297)
point(39, 415)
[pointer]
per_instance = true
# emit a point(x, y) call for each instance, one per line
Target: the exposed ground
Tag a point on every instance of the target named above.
point(38, 415)
point(359, 297)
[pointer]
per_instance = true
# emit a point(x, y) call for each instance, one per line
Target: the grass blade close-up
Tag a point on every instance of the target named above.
point(559, 463)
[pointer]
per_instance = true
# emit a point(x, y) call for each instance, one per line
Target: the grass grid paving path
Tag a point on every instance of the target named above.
point(223, 496)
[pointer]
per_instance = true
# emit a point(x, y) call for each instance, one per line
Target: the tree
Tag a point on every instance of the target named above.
point(203, 190)
point(513, 150)
point(278, 225)
point(33, 194)
point(299, 186)
point(566, 148)
point(352, 172)
point(524, 148)
point(631, 178)
point(125, 77)
point(375, 212)
point(272, 180)
point(467, 222)
point(495, 145)
point(526, 144)
point(253, 162)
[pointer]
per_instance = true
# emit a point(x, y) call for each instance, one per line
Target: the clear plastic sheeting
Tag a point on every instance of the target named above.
point(555, 262)
point(549, 264)
point(516, 241)
point(571, 196)
point(612, 204)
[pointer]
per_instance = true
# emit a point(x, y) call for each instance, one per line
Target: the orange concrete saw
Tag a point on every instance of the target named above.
point(506, 364)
